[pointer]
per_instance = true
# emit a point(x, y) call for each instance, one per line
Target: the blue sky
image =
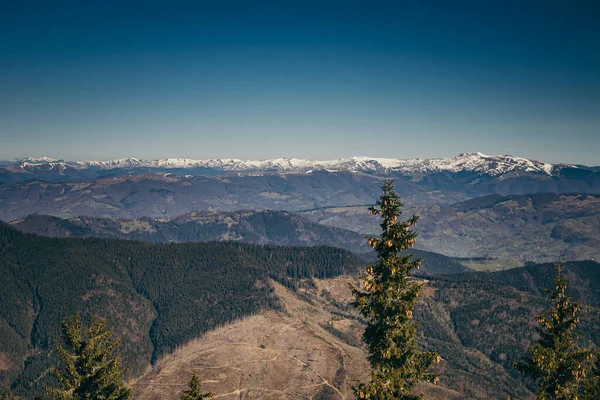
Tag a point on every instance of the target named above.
point(110, 79)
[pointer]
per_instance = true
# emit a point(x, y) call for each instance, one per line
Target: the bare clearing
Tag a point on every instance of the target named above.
point(267, 356)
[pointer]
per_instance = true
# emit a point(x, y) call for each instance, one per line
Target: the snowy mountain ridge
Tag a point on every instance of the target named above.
point(472, 162)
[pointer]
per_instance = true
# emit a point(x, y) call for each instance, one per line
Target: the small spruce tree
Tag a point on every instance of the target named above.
point(89, 369)
point(387, 302)
point(195, 391)
point(554, 362)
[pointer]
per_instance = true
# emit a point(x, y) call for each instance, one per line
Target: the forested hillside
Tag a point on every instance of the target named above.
point(156, 296)
point(261, 227)
point(161, 296)
point(488, 319)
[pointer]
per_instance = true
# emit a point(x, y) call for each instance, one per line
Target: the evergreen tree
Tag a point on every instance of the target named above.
point(195, 392)
point(89, 369)
point(387, 302)
point(554, 362)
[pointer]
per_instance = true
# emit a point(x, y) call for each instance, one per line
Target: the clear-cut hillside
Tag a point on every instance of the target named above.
point(156, 296)
point(295, 354)
point(480, 323)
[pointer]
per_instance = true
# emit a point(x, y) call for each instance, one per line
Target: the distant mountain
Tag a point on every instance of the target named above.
point(592, 168)
point(170, 194)
point(32, 160)
point(49, 169)
point(260, 227)
point(534, 227)
point(158, 196)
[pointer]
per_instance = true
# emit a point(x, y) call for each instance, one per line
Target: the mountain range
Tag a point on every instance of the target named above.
point(492, 165)
point(539, 227)
point(466, 202)
point(135, 194)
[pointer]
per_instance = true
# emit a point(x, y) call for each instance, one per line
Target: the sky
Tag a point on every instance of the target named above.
point(321, 80)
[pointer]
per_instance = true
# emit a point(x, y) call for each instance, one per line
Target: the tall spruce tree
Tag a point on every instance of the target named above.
point(195, 391)
point(387, 302)
point(554, 362)
point(89, 369)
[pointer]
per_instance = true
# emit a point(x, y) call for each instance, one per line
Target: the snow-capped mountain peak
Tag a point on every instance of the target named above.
point(118, 163)
point(473, 162)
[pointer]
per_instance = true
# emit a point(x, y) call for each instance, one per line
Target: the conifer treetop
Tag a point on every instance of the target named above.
point(89, 368)
point(195, 391)
point(554, 362)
